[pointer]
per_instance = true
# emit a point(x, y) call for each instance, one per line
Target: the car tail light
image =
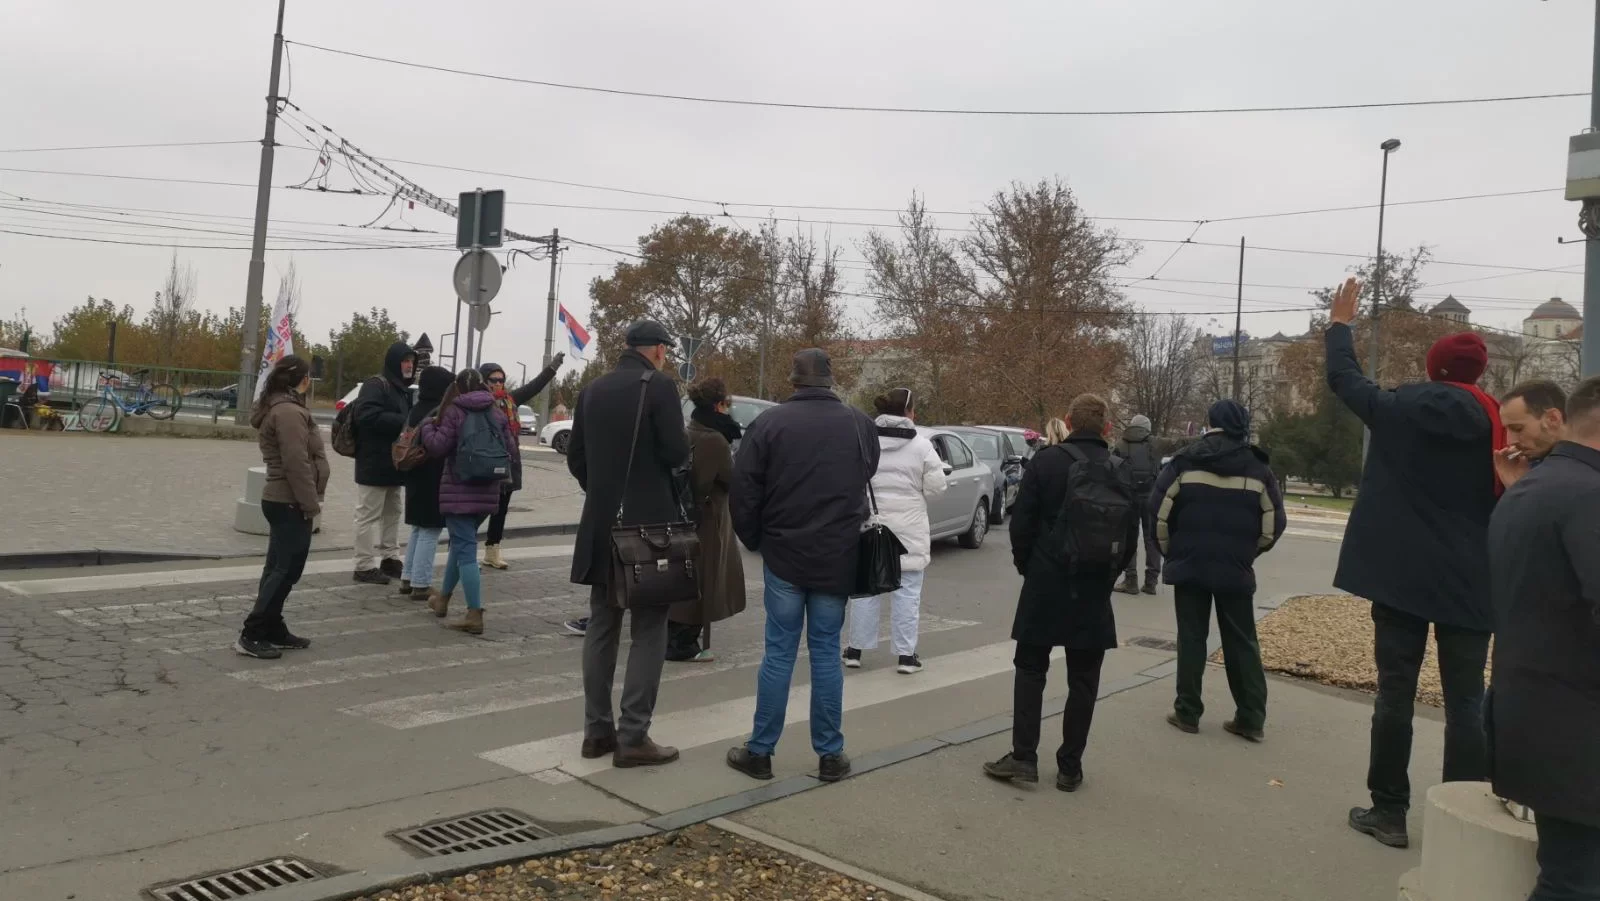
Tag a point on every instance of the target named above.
point(338, 406)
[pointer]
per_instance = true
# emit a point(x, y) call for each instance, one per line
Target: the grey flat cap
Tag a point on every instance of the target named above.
point(648, 333)
point(812, 369)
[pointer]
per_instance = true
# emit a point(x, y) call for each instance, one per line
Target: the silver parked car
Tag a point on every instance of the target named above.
point(962, 512)
point(996, 451)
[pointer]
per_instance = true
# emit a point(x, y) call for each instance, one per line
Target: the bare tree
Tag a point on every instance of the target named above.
point(1162, 369)
point(923, 302)
point(172, 310)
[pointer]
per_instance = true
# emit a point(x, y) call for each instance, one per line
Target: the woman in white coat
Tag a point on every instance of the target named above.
point(909, 474)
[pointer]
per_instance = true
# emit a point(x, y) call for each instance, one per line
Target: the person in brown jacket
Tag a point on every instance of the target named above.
point(711, 435)
point(297, 479)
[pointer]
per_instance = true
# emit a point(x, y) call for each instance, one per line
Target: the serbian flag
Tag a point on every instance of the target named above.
point(577, 335)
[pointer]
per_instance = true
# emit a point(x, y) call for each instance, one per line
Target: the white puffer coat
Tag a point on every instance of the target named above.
point(910, 474)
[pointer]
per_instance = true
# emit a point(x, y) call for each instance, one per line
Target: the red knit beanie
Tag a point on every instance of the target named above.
point(1460, 358)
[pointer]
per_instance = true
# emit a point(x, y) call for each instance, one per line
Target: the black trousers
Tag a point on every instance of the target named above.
point(1083, 687)
point(1152, 545)
point(683, 641)
point(1569, 861)
point(288, 545)
point(1399, 644)
point(497, 519)
point(1241, 653)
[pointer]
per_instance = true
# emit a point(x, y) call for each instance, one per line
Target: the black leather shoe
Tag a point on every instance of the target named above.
point(833, 767)
point(1232, 727)
point(391, 568)
point(756, 766)
point(646, 753)
point(1010, 769)
point(1069, 782)
point(1181, 724)
point(371, 577)
point(595, 748)
point(1387, 826)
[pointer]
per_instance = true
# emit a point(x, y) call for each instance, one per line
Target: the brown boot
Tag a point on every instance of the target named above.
point(492, 558)
point(647, 753)
point(438, 603)
point(472, 623)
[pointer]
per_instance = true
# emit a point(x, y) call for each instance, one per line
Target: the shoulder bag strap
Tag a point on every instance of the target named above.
point(871, 495)
point(633, 444)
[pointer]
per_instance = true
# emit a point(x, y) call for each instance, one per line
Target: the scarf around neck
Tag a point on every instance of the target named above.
point(721, 423)
point(1497, 429)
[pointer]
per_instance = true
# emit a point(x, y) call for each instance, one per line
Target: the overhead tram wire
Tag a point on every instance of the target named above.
point(828, 107)
point(256, 141)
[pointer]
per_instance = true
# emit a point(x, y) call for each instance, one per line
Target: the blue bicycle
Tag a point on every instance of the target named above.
point(156, 401)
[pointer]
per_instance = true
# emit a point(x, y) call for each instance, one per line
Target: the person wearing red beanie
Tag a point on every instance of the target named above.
point(1417, 548)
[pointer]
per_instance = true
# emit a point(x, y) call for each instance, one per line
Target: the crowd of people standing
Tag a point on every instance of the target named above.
point(1476, 517)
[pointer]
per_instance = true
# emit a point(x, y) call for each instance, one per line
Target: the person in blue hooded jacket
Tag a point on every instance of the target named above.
point(1218, 508)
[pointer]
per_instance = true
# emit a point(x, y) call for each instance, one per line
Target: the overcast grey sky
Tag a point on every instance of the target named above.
point(82, 72)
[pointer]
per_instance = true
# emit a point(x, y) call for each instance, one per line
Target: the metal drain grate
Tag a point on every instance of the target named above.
point(1154, 644)
point(472, 832)
point(239, 883)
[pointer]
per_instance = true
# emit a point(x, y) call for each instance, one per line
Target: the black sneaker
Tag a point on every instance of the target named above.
point(576, 626)
point(909, 664)
point(1010, 769)
point(391, 568)
point(1069, 782)
point(852, 658)
point(1387, 826)
point(371, 577)
point(405, 586)
point(833, 767)
point(289, 641)
point(756, 766)
point(251, 647)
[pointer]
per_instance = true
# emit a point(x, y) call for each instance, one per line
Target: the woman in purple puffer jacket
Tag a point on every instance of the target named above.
point(464, 504)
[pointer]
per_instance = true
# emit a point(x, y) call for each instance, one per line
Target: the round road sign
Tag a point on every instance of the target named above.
point(488, 276)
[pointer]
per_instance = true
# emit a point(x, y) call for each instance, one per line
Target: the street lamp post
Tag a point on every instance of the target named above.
point(1373, 355)
point(524, 373)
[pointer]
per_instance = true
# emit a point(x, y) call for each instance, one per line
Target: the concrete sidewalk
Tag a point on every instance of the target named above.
point(76, 491)
point(1161, 814)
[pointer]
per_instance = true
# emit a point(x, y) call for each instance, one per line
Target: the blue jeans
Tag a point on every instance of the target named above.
point(418, 566)
point(461, 564)
point(789, 609)
point(1569, 860)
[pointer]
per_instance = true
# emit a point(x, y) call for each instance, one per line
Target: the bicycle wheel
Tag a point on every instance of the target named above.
point(163, 402)
point(100, 417)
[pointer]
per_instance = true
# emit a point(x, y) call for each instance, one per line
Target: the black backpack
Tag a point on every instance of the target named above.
point(481, 454)
point(1091, 530)
point(1142, 466)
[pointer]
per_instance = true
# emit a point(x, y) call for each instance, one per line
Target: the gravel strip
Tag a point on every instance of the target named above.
point(699, 863)
point(1328, 639)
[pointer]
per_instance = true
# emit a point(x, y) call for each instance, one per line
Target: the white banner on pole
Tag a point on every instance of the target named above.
point(280, 339)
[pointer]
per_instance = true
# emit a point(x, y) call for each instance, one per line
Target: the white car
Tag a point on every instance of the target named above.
point(527, 420)
point(556, 435)
point(962, 512)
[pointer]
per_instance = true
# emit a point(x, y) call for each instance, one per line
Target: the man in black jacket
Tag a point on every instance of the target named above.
point(1417, 548)
point(1544, 711)
point(1141, 453)
point(1217, 508)
point(1062, 606)
point(799, 498)
point(380, 416)
point(627, 490)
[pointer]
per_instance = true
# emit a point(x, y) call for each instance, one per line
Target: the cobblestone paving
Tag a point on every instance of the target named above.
point(175, 494)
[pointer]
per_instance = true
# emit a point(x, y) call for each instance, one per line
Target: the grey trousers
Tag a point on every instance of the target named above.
point(646, 656)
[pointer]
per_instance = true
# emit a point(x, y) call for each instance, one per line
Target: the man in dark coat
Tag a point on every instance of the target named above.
point(1059, 607)
point(1217, 508)
point(799, 498)
point(380, 415)
point(639, 490)
point(1417, 548)
point(1544, 708)
point(1141, 453)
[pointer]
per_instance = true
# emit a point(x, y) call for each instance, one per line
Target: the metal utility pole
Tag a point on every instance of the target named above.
point(248, 348)
point(1238, 323)
point(1388, 147)
point(455, 339)
point(550, 323)
point(473, 275)
point(1590, 351)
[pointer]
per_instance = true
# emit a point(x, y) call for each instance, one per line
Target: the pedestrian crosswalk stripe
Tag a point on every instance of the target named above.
point(395, 663)
point(731, 720)
point(448, 706)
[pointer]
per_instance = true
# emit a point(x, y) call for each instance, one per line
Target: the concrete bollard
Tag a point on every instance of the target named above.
point(1472, 849)
point(247, 516)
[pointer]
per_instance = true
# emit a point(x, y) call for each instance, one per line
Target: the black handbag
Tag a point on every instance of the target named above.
point(878, 550)
point(654, 565)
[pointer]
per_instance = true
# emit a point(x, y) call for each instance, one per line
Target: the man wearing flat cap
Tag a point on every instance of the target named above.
point(598, 457)
point(799, 499)
point(1417, 547)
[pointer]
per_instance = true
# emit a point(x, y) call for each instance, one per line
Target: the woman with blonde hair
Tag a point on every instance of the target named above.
point(1055, 432)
